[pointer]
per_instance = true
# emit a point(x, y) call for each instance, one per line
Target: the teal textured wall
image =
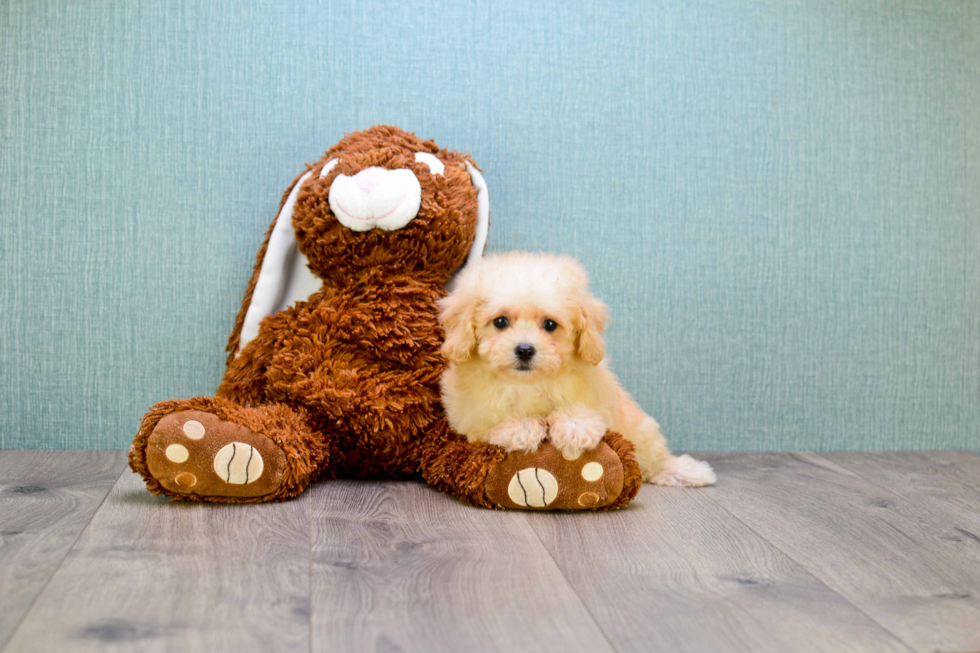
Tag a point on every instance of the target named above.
point(780, 201)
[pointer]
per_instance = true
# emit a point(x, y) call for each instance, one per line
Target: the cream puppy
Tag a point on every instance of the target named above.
point(526, 362)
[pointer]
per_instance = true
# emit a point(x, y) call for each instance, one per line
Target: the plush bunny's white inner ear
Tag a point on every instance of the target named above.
point(482, 223)
point(482, 214)
point(285, 277)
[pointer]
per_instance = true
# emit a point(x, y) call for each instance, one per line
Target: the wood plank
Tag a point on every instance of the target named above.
point(968, 462)
point(961, 466)
point(46, 499)
point(676, 572)
point(151, 575)
point(897, 561)
point(947, 482)
point(401, 567)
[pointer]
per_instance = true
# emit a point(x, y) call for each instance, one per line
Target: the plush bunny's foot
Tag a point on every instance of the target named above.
point(606, 477)
point(194, 452)
point(210, 449)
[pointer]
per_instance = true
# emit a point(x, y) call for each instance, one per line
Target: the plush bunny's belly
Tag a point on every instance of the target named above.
point(366, 370)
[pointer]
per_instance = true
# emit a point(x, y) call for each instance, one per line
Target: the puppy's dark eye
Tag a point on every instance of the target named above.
point(501, 322)
point(550, 325)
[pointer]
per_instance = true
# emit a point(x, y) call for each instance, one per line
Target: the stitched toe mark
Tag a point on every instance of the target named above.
point(194, 429)
point(592, 471)
point(177, 453)
point(185, 479)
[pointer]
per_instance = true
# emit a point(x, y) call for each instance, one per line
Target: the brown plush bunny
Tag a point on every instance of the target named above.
point(334, 360)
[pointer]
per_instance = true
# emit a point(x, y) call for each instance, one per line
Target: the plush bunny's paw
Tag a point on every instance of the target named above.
point(605, 477)
point(196, 453)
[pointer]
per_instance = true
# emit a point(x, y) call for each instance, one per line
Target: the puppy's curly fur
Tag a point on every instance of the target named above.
point(524, 343)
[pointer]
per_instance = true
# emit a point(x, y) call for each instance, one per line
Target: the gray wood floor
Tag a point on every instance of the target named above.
point(789, 552)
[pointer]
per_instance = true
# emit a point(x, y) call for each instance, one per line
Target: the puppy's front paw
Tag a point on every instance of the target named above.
point(520, 435)
point(575, 430)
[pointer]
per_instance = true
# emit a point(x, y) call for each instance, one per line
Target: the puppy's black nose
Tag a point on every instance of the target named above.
point(524, 352)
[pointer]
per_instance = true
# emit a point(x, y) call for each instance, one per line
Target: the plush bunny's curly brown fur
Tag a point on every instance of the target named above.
point(345, 382)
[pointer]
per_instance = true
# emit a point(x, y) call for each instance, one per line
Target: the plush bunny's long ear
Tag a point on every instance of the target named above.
point(284, 277)
point(482, 223)
point(482, 214)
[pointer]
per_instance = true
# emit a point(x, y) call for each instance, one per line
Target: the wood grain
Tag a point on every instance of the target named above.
point(151, 575)
point(46, 500)
point(903, 564)
point(945, 482)
point(401, 567)
point(675, 572)
point(789, 552)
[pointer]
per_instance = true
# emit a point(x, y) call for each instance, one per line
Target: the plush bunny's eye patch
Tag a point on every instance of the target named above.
point(436, 166)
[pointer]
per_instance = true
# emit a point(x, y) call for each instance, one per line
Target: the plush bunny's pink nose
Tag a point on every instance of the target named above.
point(369, 179)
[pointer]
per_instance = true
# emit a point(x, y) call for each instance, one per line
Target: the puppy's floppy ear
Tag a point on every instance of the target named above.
point(591, 321)
point(457, 315)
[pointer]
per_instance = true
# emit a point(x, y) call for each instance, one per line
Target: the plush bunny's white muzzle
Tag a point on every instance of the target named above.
point(376, 198)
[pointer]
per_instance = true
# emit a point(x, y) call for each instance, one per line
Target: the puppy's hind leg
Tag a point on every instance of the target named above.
point(659, 466)
point(683, 471)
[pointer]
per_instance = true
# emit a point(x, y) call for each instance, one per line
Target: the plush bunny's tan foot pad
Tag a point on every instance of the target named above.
point(194, 452)
point(546, 480)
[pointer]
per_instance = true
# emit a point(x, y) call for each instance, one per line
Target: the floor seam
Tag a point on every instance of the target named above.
point(310, 567)
point(572, 587)
point(806, 569)
point(61, 562)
